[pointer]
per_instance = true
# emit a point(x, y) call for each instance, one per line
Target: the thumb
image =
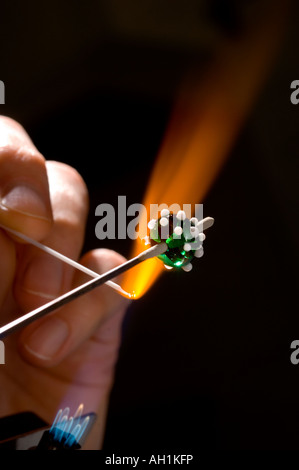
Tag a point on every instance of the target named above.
point(24, 192)
point(50, 340)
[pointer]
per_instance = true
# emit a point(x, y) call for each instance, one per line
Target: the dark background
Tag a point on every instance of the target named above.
point(205, 357)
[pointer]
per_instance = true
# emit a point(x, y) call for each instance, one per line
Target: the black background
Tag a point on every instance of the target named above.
point(205, 356)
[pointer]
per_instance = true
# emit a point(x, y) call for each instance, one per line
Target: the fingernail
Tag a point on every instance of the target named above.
point(48, 338)
point(43, 277)
point(27, 201)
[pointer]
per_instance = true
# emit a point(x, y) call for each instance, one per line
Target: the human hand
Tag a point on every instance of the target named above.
point(67, 357)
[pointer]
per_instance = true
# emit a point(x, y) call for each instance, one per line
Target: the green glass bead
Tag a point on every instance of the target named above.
point(176, 256)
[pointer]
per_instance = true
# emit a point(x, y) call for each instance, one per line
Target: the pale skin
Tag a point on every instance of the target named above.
point(68, 357)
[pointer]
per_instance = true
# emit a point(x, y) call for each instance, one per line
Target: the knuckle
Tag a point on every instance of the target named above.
point(69, 197)
point(71, 175)
point(20, 153)
point(9, 122)
point(12, 132)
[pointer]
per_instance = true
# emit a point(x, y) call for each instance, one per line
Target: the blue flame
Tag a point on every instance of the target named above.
point(67, 428)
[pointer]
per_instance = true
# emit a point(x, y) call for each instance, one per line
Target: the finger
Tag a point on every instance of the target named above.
point(53, 338)
point(24, 192)
point(41, 277)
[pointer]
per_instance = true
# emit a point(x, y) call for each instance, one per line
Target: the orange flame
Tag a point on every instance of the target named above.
point(202, 130)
